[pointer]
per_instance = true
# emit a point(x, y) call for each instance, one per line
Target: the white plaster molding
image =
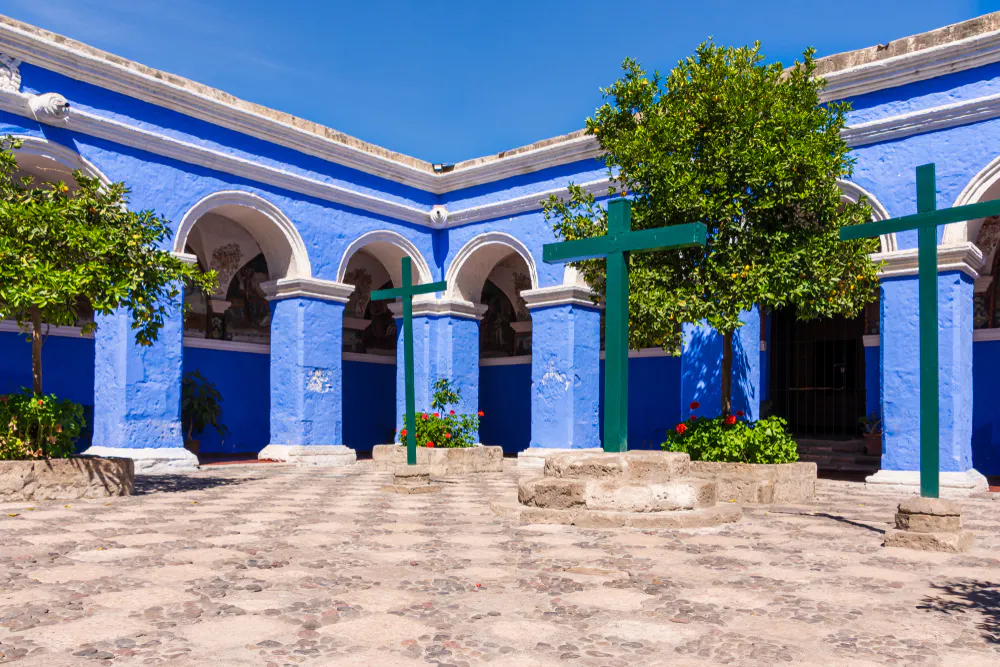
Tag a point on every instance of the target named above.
point(965, 257)
point(310, 288)
point(976, 190)
point(520, 360)
point(854, 192)
point(309, 455)
point(226, 345)
point(67, 157)
point(645, 353)
point(10, 326)
point(952, 484)
point(982, 284)
point(459, 289)
point(871, 340)
point(49, 108)
point(186, 257)
point(559, 295)
point(439, 216)
point(387, 359)
point(405, 245)
point(522, 204)
point(922, 121)
point(150, 460)
point(10, 73)
point(919, 65)
point(985, 335)
point(286, 251)
point(441, 308)
point(562, 151)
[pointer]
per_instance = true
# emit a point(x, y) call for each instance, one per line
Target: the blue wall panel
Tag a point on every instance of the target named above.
point(369, 404)
point(505, 398)
point(243, 380)
point(654, 398)
point(872, 396)
point(986, 407)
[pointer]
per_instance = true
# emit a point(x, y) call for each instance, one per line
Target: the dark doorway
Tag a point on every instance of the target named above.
point(818, 374)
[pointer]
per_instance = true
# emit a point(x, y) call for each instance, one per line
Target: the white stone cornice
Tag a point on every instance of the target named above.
point(186, 257)
point(522, 204)
point(309, 288)
point(559, 295)
point(918, 65)
point(922, 121)
point(964, 257)
point(486, 170)
point(441, 308)
point(10, 326)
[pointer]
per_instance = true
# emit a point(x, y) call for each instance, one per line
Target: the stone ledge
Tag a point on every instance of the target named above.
point(637, 466)
point(150, 460)
point(66, 479)
point(441, 461)
point(952, 484)
point(310, 455)
point(760, 483)
point(707, 517)
point(533, 458)
point(950, 542)
point(616, 495)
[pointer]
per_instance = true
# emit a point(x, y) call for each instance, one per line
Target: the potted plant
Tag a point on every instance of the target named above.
point(200, 408)
point(872, 425)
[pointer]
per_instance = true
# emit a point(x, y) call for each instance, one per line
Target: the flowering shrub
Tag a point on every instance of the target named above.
point(444, 428)
point(733, 439)
point(38, 427)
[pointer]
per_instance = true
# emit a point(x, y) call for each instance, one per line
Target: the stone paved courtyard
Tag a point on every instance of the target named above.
point(273, 565)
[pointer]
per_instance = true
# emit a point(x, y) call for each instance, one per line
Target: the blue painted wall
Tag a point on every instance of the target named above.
point(505, 398)
point(986, 407)
point(872, 398)
point(369, 404)
point(654, 396)
point(243, 380)
point(67, 371)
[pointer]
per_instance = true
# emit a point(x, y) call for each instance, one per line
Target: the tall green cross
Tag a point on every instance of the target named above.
point(926, 221)
point(406, 293)
point(619, 240)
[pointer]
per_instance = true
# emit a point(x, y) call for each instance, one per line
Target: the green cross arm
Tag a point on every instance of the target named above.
point(675, 236)
point(398, 292)
point(917, 220)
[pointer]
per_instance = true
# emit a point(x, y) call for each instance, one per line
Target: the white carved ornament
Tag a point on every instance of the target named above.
point(10, 74)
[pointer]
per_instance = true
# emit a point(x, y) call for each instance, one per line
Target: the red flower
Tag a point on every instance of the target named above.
point(739, 413)
point(694, 405)
point(482, 414)
point(403, 433)
point(730, 420)
point(430, 444)
point(40, 402)
point(451, 412)
point(448, 436)
point(680, 428)
point(692, 418)
point(424, 416)
point(436, 415)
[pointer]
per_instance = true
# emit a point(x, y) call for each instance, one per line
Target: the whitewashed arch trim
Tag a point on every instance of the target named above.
point(405, 246)
point(973, 192)
point(854, 192)
point(69, 158)
point(281, 241)
point(457, 289)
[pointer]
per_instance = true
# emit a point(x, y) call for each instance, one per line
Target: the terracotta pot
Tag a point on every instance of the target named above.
point(192, 445)
point(873, 444)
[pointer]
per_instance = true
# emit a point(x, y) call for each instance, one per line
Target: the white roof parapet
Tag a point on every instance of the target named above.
point(310, 288)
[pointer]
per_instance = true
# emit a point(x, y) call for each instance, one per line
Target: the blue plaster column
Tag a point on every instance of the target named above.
point(900, 384)
point(701, 368)
point(306, 378)
point(137, 393)
point(445, 346)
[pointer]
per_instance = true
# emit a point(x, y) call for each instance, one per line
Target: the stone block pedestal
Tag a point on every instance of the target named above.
point(929, 524)
point(309, 455)
point(412, 480)
point(442, 461)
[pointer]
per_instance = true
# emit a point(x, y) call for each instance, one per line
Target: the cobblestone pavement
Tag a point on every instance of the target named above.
point(273, 566)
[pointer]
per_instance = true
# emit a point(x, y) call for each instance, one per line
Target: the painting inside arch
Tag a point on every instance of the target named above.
point(369, 326)
point(505, 330)
point(244, 315)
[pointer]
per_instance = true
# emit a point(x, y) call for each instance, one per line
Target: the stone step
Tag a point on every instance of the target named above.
point(616, 495)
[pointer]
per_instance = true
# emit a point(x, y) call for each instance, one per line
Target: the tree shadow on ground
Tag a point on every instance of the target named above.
point(969, 596)
point(149, 484)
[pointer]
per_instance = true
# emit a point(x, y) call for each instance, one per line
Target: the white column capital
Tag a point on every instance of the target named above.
point(441, 308)
point(559, 295)
point(965, 257)
point(310, 288)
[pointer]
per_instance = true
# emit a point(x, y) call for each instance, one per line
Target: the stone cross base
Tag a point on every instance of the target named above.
point(309, 455)
point(411, 480)
point(929, 524)
point(953, 484)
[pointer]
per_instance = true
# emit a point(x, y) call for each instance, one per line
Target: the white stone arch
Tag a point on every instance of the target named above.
point(853, 192)
point(389, 248)
point(984, 186)
point(39, 150)
point(473, 263)
point(279, 240)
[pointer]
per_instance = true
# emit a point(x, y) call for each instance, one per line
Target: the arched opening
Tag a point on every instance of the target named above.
point(67, 353)
point(227, 334)
point(493, 271)
point(822, 376)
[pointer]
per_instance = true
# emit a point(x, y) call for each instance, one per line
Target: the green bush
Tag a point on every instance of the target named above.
point(38, 427)
point(734, 440)
point(200, 406)
point(449, 430)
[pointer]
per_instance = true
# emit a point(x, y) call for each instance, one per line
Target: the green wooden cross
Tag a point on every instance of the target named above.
point(619, 240)
point(406, 293)
point(926, 221)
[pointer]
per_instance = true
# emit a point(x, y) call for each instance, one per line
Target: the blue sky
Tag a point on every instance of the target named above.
point(447, 81)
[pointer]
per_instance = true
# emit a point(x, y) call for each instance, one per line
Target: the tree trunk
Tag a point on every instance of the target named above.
point(36, 350)
point(727, 373)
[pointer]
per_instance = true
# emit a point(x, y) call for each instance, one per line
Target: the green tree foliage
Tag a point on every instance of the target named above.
point(201, 406)
point(60, 243)
point(747, 149)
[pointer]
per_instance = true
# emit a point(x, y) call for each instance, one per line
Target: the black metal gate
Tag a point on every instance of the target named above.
point(818, 374)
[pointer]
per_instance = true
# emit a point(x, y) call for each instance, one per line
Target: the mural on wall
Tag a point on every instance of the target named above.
point(369, 327)
point(246, 316)
point(986, 313)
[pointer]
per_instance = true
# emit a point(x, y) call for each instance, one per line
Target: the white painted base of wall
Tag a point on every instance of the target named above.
point(533, 458)
point(310, 455)
point(151, 460)
point(952, 484)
